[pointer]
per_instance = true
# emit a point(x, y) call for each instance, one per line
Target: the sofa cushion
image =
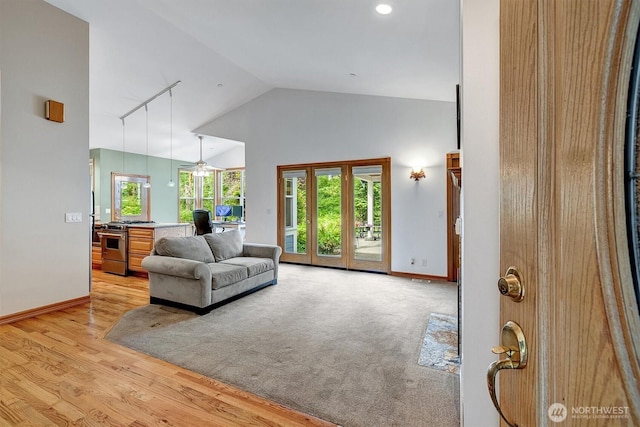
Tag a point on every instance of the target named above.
point(189, 247)
point(225, 245)
point(253, 265)
point(226, 274)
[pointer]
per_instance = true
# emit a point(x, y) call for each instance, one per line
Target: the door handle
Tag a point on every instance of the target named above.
point(514, 346)
point(113, 235)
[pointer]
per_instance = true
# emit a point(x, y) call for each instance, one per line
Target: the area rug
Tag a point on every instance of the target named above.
point(440, 345)
point(340, 345)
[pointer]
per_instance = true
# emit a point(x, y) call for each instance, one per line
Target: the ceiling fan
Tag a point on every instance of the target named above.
point(201, 168)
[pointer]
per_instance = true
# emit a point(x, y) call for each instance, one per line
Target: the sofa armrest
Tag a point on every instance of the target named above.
point(260, 250)
point(179, 267)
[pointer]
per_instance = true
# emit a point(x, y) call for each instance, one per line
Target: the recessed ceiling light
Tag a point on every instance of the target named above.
point(384, 9)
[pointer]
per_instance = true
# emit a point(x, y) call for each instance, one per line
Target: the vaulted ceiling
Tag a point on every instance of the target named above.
point(226, 53)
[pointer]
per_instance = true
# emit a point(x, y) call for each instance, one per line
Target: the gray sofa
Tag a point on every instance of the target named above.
point(200, 273)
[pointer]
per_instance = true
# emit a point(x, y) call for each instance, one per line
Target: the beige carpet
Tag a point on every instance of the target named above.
point(340, 345)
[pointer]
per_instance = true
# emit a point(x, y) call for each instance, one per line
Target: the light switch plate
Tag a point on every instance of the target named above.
point(73, 217)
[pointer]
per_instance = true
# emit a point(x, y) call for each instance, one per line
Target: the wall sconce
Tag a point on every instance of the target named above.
point(417, 174)
point(54, 111)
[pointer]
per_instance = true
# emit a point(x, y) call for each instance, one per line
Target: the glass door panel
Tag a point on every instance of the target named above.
point(294, 217)
point(328, 216)
point(367, 213)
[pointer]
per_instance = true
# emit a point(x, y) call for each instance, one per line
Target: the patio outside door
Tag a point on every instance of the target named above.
point(335, 214)
point(368, 245)
point(327, 231)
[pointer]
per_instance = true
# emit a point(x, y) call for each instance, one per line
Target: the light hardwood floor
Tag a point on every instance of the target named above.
point(56, 369)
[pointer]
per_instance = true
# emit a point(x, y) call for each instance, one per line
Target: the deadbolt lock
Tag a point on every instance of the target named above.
point(510, 285)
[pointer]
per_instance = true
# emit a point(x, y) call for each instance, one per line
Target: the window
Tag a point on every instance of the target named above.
point(232, 187)
point(199, 192)
point(195, 192)
point(131, 200)
point(207, 191)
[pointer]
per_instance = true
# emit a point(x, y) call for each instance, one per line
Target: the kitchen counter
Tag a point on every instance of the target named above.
point(160, 224)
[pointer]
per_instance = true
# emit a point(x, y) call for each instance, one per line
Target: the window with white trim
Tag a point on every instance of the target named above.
point(195, 192)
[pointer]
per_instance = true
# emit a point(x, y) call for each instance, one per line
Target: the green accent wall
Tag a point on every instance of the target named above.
point(164, 199)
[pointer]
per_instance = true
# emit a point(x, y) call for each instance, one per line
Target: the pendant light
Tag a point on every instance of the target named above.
point(145, 104)
point(171, 183)
point(147, 184)
point(122, 146)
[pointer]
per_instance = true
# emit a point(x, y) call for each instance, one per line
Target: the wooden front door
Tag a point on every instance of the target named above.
point(565, 67)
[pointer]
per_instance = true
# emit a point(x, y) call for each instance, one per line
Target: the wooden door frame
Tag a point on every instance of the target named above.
point(325, 260)
point(290, 256)
point(356, 264)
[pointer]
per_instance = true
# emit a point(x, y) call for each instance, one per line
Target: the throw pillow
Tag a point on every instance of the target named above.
point(189, 247)
point(225, 245)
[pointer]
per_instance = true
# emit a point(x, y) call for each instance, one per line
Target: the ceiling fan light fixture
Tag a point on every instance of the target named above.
point(201, 168)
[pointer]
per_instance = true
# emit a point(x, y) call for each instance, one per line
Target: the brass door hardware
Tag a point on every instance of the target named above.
point(513, 345)
point(510, 285)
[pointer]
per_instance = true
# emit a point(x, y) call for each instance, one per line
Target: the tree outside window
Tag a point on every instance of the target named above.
point(195, 192)
point(208, 192)
point(130, 199)
point(232, 189)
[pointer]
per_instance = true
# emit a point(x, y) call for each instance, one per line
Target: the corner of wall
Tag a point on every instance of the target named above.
point(480, 205)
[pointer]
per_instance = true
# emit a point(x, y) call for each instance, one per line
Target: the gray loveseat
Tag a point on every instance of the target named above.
point(200, 273)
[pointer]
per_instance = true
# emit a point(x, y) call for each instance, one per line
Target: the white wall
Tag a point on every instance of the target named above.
point(230, 159)
point(480, 198)
point(44, 54)
point(287, 126)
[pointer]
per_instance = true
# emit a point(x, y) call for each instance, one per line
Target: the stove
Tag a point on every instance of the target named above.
point(113, 243)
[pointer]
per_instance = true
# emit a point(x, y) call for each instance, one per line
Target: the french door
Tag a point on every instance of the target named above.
point(336, 214)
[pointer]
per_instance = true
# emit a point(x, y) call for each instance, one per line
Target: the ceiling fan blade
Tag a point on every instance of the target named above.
point(201, 165)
